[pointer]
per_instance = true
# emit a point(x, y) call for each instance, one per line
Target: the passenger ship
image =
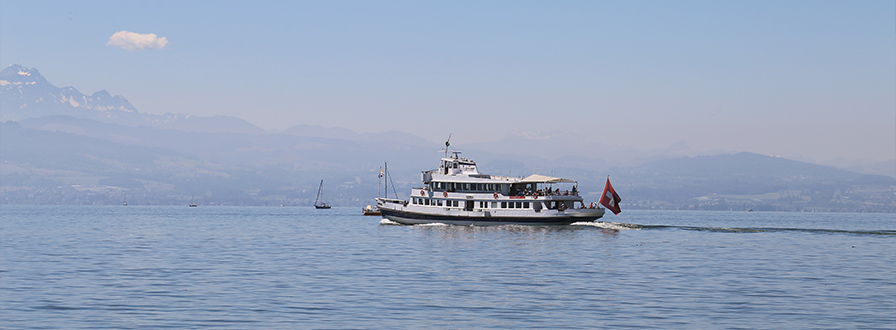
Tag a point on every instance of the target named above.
point(458, 194)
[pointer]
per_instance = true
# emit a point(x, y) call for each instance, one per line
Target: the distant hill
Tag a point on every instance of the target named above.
point(47, 159)
point(61, 159)
point(60, 146)
point(725, 181)
point(746, 165)
point(308, 151)
point(25, 93)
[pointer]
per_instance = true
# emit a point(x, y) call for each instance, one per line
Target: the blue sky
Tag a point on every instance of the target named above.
point(802, 79)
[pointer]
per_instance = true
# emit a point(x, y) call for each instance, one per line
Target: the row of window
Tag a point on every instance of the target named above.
point(456, 186)
point(482, 204)
point(434, 202)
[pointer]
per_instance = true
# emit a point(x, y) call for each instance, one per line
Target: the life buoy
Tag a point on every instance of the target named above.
point(444, 194)
point(422, 193)
point(496, 195)
point(534, 195)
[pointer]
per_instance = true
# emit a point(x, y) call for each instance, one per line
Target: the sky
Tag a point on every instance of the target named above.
point(808, 80)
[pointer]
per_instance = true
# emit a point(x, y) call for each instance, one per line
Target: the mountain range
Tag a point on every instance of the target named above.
point(60, 146)
point(25, 93)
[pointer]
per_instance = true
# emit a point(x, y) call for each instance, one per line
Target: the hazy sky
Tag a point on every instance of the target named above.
point(802, 79)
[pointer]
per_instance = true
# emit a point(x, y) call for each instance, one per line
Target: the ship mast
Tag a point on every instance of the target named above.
point(447, 143)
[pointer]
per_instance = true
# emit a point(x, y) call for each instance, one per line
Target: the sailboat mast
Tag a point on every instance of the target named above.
point(318, 191)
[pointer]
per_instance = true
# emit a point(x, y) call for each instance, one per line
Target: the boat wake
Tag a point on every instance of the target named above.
point(618, 226)
point(388, 222)
point(434, 224)
point(609, 225)
point(630, 226)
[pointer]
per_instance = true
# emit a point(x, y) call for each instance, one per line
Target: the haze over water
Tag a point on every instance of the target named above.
point(89, 267)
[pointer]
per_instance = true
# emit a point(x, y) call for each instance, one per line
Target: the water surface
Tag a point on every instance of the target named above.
point(117, 267)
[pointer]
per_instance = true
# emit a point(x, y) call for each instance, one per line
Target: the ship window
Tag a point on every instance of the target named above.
point(454, 203)
point(426, 202)
point(503, 205)
point(519, 205)
point(494, 205)
point(525, 205)
point(512, 205)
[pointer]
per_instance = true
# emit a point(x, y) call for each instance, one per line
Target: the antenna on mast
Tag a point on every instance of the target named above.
point(447, 144)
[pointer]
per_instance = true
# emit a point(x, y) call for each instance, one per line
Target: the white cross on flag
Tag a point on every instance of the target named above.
point(610, 199)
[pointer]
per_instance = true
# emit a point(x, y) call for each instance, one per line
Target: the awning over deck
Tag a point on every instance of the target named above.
point(538, 178)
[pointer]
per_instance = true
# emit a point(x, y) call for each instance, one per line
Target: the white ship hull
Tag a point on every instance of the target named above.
point(458, 194)
point(407, 213)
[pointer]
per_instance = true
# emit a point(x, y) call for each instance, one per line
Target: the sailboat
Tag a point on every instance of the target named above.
point(191, 202)
point(320, 205)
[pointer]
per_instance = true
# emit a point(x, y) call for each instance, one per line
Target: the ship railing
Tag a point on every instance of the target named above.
point(545, 192)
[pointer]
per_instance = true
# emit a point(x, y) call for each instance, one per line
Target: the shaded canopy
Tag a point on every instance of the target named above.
point(538, 178)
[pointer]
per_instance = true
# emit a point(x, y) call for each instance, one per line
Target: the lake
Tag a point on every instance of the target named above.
point(151, 267)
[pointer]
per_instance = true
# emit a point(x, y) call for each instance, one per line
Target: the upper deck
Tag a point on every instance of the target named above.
point(459, 174)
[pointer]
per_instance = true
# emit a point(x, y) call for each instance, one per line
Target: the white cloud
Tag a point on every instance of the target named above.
point(131, 41)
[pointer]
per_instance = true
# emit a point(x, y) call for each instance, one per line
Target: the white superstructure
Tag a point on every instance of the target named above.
point(457, 193)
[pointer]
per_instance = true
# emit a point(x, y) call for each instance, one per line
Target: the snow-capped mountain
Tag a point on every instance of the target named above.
point(25, 93)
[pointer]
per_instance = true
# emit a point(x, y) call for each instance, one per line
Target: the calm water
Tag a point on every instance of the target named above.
point(86, 267)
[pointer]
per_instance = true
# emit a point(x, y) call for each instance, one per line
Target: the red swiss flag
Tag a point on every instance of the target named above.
point(610, 199)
